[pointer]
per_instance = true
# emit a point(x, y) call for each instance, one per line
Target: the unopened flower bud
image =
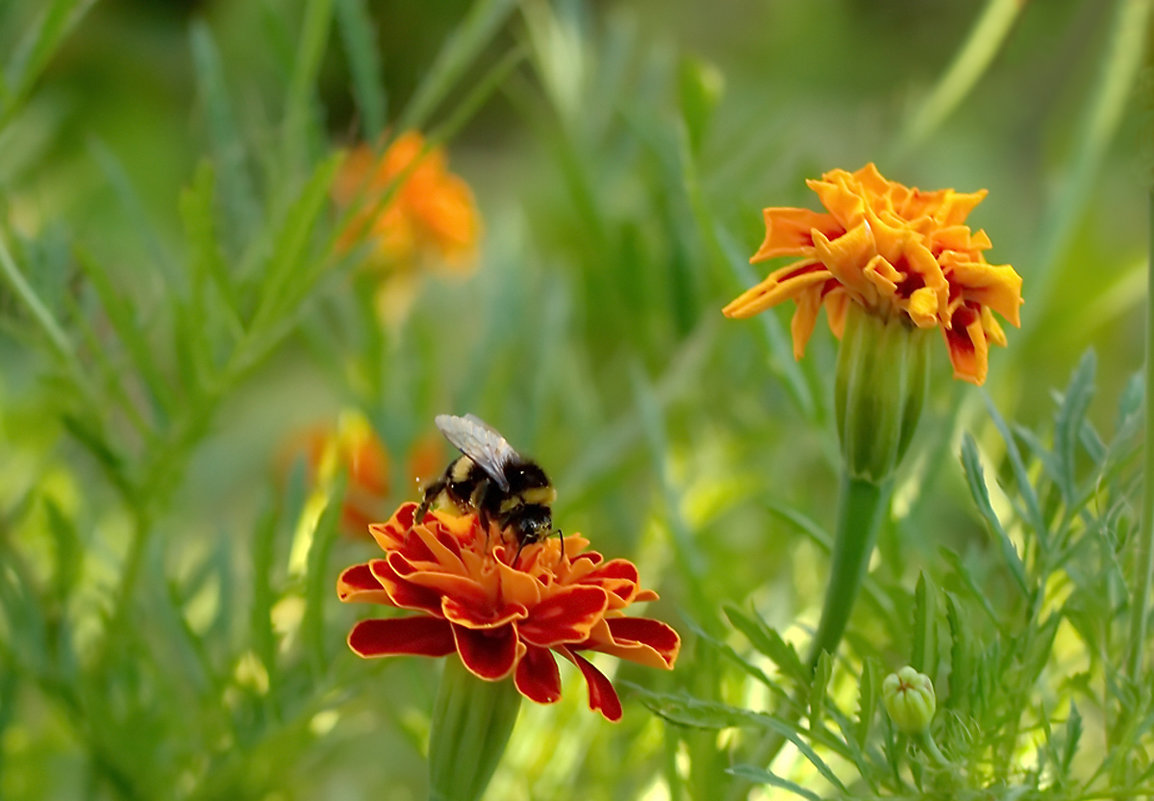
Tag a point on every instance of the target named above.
point(909, 699)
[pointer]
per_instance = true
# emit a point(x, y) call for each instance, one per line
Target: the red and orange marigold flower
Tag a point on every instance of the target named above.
point(504, 615)
point(895, 250)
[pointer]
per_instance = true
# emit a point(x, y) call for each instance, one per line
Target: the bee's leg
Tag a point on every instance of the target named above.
point(561, 555)
point(431, 492)
point(477, 501)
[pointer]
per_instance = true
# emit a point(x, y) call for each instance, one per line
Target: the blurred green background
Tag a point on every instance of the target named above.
point(620, 155)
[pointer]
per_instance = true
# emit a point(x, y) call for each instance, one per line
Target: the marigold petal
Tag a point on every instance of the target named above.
point(966, 341)
point(357, 584)
point(923, 307)
point(566, 616)
point(836, 303)
point(405, 594)
point(517, 586)
point(995, 285)
point(789, 232)
point(643, 640)
point(602, 697)
point(804, 319)
point(481, 616)
point(419, 636)
point(489, 654)
point(846, 256)
point(537, 677)
point(784, 284)
point(994, 332)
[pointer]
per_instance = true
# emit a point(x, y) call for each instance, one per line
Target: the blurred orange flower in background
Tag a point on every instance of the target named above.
point(895, 250)
point(354, 447)
point(409, 206)
point(503, 614)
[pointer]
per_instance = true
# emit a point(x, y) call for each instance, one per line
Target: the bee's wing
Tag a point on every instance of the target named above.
point(481, 442)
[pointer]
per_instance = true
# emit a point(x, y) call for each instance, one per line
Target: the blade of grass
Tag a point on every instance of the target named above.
point(237, 194)
point(36, 49)
point(474, 33)
point(358, 32)
point(1122, 57)
point(969, 65)
point(302, 84)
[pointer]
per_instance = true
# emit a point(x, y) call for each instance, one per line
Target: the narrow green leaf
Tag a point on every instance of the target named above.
point(1068, 422)
point(770, 643)
point(237, 194)
point(788, 732)
point(1021, 477)
point(976, 479)
point(961, 657)
point(762, 776)
point(260, 617)
point(138, 211)
point(868, 695)
point(358, 32)
point(34, 51)
point(729, 652)
point(925, 654)
point(319, 586)
point(1072, 739)
point(282, 285)
point(818, 689)
point(123, 319)
point(302, 85)
point(68, 551)
point(205, 257)
point(456, 56)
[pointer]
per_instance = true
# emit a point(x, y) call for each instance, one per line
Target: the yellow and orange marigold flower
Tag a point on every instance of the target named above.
point(430, 213)
point(503, 614)
point(895, 250)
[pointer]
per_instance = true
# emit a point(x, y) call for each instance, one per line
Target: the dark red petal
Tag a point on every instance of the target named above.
point(403, 518)
point(537, 677)
point(657, 635)
point(566, 616)
point(489, 654)
point(357, 583)
point(602, 696)
point(403, 593)
point(421, 636)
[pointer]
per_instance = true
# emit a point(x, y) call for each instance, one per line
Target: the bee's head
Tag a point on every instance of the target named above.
point(533, 524)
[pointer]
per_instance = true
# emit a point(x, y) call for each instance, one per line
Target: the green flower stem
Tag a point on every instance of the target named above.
point(472, 721)
point(926, 742)
point(862, 506)
point(1145, 562)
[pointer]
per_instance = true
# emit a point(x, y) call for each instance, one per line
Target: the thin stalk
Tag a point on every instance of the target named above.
point(968, 67)
point(1099, 123)
point(36, 308)
point(862, 506)
point(1145, 562)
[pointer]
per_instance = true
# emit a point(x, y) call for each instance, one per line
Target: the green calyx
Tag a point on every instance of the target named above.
point(879, 391)
point(909, 699)
point(472, 721)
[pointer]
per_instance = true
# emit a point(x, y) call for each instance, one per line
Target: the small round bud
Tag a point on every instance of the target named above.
point(909, 699)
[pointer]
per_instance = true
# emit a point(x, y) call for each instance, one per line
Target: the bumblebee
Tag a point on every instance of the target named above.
point(493, 480)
